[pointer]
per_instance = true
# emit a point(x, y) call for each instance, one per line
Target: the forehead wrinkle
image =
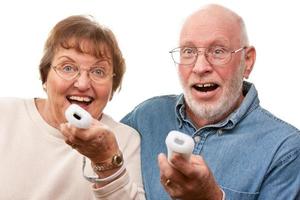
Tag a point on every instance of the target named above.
point(81, 61)
point(216, 41)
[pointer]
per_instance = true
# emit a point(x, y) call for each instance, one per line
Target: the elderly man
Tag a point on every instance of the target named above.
point(241, 150)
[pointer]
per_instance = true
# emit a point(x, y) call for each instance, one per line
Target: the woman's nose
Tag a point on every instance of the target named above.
point(83, 81)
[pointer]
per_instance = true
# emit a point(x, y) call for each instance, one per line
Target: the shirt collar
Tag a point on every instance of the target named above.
point(180, 110)
point(249, 103)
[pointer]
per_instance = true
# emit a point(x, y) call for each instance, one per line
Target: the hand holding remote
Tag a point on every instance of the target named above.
point(78, 117)
point(180, 143)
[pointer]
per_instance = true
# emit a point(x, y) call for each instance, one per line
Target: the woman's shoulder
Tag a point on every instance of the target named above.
point(11, 102)
point(12, 107)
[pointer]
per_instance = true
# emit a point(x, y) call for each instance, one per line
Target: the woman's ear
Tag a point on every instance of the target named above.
point(111, 96)
point(250, 56)
point(45, 87)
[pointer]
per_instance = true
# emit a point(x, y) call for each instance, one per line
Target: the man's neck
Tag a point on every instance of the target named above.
point(200, 122)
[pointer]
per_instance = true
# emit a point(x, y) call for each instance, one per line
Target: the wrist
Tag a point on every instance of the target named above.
point(114, 162)
point(106, 171)
point(99, 184)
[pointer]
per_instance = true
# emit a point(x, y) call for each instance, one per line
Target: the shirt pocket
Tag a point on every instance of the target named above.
point(239, 195)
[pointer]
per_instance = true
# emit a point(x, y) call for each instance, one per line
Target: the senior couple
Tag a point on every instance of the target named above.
point(241, 152)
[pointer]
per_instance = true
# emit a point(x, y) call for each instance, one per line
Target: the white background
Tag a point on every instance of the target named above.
point(146, 31)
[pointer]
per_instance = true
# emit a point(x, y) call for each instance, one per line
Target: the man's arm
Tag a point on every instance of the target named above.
point(283, 180)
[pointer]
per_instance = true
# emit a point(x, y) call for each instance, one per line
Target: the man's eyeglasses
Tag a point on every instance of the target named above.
point(69, 71)
point(215, 55)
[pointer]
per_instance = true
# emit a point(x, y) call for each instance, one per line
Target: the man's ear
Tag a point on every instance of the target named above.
point(250, 56)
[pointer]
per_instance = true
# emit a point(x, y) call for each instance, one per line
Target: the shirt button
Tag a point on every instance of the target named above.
point(220, 131)
point(197, 138)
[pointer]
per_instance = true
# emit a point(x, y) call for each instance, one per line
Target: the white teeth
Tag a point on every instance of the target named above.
point(205, 85)
point(82, 99)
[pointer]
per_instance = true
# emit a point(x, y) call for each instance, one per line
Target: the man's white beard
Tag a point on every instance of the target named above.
point(214, 111)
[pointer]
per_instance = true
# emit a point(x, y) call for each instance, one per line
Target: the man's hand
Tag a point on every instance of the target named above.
point(188, 180)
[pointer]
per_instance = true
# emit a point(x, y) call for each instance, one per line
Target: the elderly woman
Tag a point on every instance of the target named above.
point(41, 154)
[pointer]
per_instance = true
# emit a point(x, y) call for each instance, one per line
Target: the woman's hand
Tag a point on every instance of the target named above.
point(98, 142)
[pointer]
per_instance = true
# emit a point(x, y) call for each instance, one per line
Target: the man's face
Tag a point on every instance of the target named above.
point(212, 91)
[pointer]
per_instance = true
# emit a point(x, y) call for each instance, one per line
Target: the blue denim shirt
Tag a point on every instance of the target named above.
point(252, 154)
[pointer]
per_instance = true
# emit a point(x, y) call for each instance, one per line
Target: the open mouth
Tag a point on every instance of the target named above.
point(80, 100)
point(207, 87)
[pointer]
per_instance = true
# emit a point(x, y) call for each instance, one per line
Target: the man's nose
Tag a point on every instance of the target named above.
point(202, 64)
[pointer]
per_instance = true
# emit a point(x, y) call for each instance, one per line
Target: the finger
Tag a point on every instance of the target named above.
point(74, 134)
point(164, 165)
point(167, 171)
point(96, 131)
point(163, 168)
point(68, 133)
point(172, 188)
point(73, 145)
point(191, 168)
point(64, 129)
point(162, 159)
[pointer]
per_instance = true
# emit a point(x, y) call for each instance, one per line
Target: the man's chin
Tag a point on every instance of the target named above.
point(209, 111)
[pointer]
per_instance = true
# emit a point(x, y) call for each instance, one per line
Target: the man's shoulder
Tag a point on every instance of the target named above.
point(272, 127)
point(159, 101)
point(266, 116)
point(156, 108)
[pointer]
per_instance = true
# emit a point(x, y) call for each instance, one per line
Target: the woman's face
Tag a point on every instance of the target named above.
point(81, 90)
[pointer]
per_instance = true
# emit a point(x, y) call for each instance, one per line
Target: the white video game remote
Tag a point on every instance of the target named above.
point(180, 143)
point(78, 117)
